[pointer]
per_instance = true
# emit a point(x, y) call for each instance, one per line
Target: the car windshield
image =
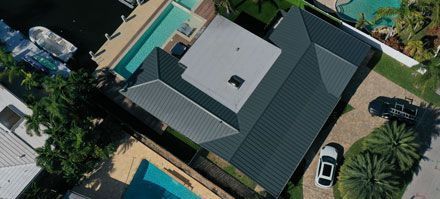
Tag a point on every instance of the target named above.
point(328, 159)
point(324, 182)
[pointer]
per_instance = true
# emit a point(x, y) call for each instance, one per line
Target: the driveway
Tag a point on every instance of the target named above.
point(355, 124)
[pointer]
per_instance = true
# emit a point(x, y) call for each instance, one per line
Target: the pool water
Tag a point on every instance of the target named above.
point(151, 182)
point(157, 34)
point(352, 10)
point(187, 3)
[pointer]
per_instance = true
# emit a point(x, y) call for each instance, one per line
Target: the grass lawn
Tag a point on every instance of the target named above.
point(182, 138)
point(231, 170)
point(294, 191)
point(347, 109)
point(402, 76)
point(268, 9)
point(240, 176)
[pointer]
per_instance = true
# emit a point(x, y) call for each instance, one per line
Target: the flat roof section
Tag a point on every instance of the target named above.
point(228, 62)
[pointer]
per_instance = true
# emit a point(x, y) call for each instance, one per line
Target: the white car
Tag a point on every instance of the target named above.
point(325, 172)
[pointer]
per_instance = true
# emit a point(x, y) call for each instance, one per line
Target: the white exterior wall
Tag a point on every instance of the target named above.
point(408, 61)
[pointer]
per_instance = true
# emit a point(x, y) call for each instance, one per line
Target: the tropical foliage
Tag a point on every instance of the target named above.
point(76, 143)
point(431, 79)
point(407, 17)
point(362, 22)
point(416, 49)
point(225, 5)
point(367, 176)
point(396, 143)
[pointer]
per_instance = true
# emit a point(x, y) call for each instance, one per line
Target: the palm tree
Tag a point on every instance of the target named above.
point(407, 18)
point(416, 49)
point(75, 142)
point(396, 143)
point(367, 176)
point(431, 79)
point(10, 67)
point(362, 22)
point(29, 79)
point(224, 4)
point(433, 7)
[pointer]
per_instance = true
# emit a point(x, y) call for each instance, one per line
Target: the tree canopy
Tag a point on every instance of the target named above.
point(367, 176)
point(66, 114)
point(396, 143)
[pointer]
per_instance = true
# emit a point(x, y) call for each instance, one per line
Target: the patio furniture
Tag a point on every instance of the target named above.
point(186, 29)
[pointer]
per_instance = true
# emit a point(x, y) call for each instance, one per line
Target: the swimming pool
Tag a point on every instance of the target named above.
point(151, 182)
point(157, 34)
point(350, 10)
point(188, 3)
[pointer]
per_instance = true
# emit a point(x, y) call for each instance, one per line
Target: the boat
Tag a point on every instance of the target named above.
point(52, 43)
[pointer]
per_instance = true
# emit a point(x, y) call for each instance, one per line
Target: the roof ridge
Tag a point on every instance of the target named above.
point(16, 165)
point(270, 101)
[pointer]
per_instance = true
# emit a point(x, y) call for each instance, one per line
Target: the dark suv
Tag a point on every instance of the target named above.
point(402, 110)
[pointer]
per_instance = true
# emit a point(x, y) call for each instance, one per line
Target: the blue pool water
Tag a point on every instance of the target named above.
point(188, 3)
point(151, 182)
point(157, 34)
point(351, 11)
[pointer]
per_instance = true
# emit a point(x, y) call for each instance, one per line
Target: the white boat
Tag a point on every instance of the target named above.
point(52, 43)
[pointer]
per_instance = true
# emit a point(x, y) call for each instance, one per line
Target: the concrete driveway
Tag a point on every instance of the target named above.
point(356, 124)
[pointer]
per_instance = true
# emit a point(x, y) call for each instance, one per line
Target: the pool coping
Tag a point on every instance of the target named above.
point(138, 34)
point(135, 38)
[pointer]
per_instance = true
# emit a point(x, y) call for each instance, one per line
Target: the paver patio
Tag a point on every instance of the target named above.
point(355, 124)
point(113, 176)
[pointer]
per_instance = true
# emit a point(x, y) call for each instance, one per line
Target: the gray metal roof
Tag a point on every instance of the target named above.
point(269, 136)
point(244, 55)
point(17, 156)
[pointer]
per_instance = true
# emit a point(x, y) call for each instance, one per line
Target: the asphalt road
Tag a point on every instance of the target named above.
point(426, 181)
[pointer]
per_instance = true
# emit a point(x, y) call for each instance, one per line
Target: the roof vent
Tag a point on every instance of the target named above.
point(236, 81)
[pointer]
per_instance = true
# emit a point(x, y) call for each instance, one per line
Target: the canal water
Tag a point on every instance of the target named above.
point(82, 22)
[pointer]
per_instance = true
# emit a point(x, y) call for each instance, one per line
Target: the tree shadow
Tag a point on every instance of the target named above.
point(99, 183)
point(427, 129)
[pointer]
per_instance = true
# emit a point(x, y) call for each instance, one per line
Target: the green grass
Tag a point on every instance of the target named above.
point(403, 76)
point(347, 109)
point(295, 191)
point(268, 9)
point(240, 177)
point(182, 138)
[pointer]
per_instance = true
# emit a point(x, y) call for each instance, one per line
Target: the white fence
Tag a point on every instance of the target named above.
point(408, 61)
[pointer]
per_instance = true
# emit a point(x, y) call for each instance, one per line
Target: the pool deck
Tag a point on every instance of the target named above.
point(128, 32)
point(326, 5)
point(113, 50)
point(111, 179)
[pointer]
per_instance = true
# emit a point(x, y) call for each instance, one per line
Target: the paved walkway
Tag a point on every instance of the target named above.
point(355, 124)
point(113, 177)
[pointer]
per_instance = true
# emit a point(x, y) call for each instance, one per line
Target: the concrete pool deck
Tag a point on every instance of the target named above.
point(326, 5)
point(111, 179)
point(128, 32)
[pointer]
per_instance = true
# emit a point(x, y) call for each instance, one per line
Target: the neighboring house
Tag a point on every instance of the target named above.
point(259, 104)
point(17, 149)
